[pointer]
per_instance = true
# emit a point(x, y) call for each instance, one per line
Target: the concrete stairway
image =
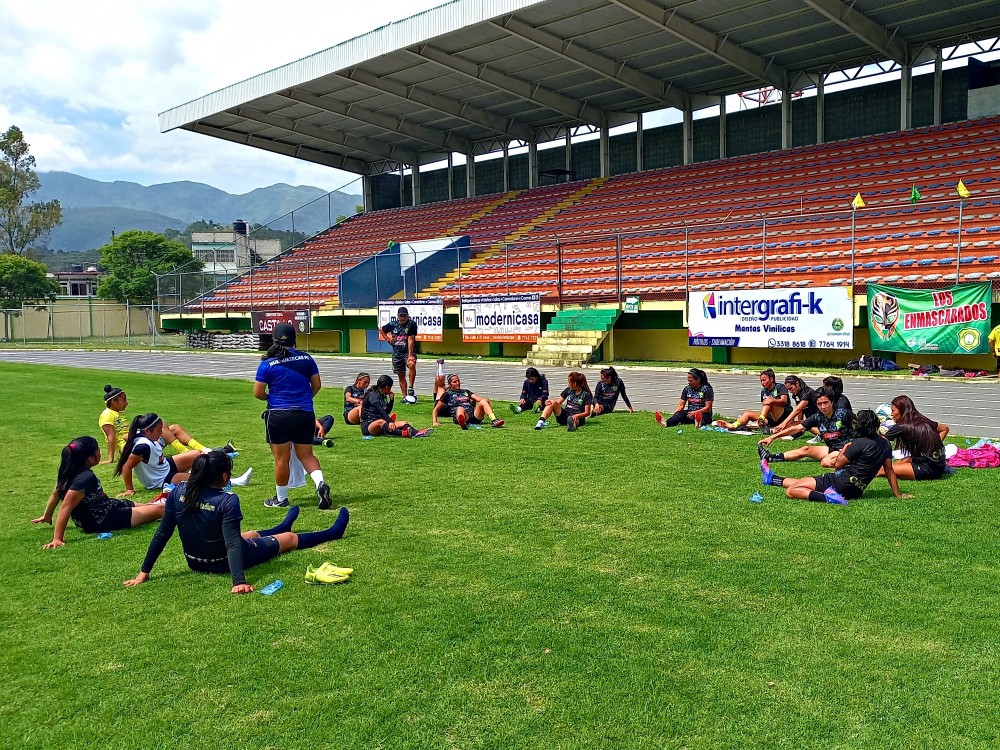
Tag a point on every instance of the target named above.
point(572, 337)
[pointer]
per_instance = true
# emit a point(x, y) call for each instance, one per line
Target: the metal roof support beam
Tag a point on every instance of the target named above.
point(470, 173)
point(820, 108)
point(905, 97)
point(375, 149)
point(875, 36)
point(938, 85)
point(786, 119)
point(438, 103)
point(614, 70)
point(718, 46)
point(687, 135)
point(415, 183)
point(723, 133)
point(345, 163)
point(604, 152)
point(534, 92)
point(532, 164)
point(431, 137)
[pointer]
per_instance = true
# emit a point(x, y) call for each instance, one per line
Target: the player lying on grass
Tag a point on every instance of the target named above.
point(572, 407)
point(856, 466)
point(353, 396)
point(606, 394)
point(462, 405)
point(376, 420)
point(207, 519)
point(534, 392)
point(84, 500)
point(774, 407)
point(115, 427)
point(834, 427)
point(695, 404)
point(921, 437)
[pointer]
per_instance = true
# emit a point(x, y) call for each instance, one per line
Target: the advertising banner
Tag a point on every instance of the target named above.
point(264, 322)
point(815, 318)
point(515, 317)
point(427, 313)
point(955, 320)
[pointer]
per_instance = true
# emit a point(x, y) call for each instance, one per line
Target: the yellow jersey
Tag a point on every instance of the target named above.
point(117, 420)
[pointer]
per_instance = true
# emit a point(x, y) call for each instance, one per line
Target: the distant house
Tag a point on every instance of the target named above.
point(78, 281)
point(232, 252)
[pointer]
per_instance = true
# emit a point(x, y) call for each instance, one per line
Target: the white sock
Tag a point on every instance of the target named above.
point(317, 477)
point(281, 490)
point(440, 368)
point(243, 480)
point(519, 410)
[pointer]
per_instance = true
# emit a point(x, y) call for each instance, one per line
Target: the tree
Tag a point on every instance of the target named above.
point(132, 260)
point(21, 223)
point(22, 280)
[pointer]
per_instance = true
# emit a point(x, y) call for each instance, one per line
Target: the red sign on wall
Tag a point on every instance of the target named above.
point(264, 322)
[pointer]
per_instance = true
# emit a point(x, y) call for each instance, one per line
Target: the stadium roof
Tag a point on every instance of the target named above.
point(470, 75)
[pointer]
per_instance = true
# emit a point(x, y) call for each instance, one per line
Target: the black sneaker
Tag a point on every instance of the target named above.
point(765, 429)
point(274, 502)
point(323, 493)
point(763, 452)
point(571, 425)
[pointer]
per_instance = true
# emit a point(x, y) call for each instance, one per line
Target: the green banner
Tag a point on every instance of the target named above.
point(955, 320)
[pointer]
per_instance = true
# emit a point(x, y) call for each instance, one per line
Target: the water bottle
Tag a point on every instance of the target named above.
point(169, 487)
point(272, 587)
point(105, 535)
point(756, 498)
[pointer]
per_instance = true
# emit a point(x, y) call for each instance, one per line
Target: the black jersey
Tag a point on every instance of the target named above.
point(936, 458)
point(373, 407)
point(607, 395)
point(399, 336)
point(95, 505)
point(866, 457)
point(834, 430)
point(354, 392)
point(696, 399)
point(777, 391)
point(808, 395)
point(453, 400)
point(575, 403)
point(537, 391)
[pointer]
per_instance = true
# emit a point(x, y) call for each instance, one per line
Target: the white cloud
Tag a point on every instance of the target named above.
point(85, 81)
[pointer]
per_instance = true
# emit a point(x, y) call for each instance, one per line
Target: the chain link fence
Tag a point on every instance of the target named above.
point(86, 321)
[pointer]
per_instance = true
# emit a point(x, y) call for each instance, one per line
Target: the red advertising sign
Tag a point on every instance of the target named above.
point(264, 322)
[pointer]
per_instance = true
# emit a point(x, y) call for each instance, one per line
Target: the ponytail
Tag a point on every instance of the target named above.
point(206, 472)
point(138, 425)
point(277, 351)
point(74, 460)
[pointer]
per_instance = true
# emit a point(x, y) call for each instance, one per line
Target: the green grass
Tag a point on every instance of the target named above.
point(612, 588)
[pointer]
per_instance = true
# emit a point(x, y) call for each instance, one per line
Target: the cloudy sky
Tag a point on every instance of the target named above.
point(86, 81)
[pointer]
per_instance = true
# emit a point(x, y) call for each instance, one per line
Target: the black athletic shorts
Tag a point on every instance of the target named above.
point(289, 426)
point(923, 470)
point(255, 552)
point(563, 419)
point(364, 428)
point(399, 363)
point(470, 413)
point(839, 481)
point(173, 470)
point(118, 517)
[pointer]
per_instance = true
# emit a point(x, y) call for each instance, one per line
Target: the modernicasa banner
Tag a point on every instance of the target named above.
point(514, 317)
point(815, 318)
point(955, 320)
point(428, 313)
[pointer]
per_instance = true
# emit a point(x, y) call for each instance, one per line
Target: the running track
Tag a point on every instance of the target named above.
point(970, 407)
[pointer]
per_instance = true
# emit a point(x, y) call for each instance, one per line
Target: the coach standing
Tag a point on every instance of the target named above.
point(402, 336)
point(288, 380)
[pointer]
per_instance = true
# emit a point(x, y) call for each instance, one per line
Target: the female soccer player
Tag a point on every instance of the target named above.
point(573, 405)
point(609, 388)
point(115, 427)
point(288, 380)
point(832, 425)
point(208, 521)
point(804, 398)
point(84, 500)
point(375, 418)
point(534, 392)
point(353, 396)
point(143, 454)
point(921, 437)
point(774, 406)
point(464, 406)
point(695, 404)
point(856, 466)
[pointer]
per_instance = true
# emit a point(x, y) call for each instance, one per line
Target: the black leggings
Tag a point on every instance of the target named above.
point(327, 423)
point(686, 417)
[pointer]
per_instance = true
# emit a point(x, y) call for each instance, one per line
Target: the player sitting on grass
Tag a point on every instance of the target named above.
point(207, 518)
point(695, 404)
point(573, 405)
point(606, 394)
point(143, 454)
point(464, 406)
point(856, 466)
point(804, 399)
point(921, 437)
point(84, 500)
point(112, 422)
point(534, 392)
point(832, 425)
point(376, 420)
point(774, 406)
point(353, 396)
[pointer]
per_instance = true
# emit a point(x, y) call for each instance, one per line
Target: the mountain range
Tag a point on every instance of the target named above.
point(92, 209)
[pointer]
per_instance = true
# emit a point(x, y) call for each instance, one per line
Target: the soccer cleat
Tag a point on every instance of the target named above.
point(765, 472)
point(763, 452)
point(765, 429)
point(324, 576)
point(334, 569)
point(392, 417)
point(514, 408)
point(571, 425)
point(441, 361)
point(463, 419)
point(537, 408)
point(426, 432)
point(274, 502)
point(229, 449)
point(323, 493)
point(160, 499)
point(832, 496)
point(541, 424)
point(658, 416)
point(497, 423)
point(327, 442)
point(243, 480)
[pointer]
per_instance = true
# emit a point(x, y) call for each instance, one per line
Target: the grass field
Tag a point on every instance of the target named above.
point(612, 588)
